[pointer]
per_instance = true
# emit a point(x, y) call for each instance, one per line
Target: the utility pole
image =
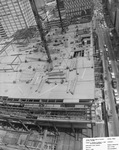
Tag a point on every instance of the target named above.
point(40, 28)
point(60, 15)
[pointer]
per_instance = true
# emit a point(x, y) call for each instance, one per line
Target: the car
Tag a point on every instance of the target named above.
point(111, 34)
point(112, 75)
point(105, 46)
point(102, 26)
point(115, 92)
point(108, 58)
point(110, 68)
point(109, 61)
point(106, 49)
point(117, 98)
point(114, 83)
point(105, 25)
point(117, 59)
point(117, 102)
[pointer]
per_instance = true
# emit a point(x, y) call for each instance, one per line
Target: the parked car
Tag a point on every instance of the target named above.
point(114, 83)
point(117, 99)
point(110, 68)
point(112, 75)
point(106, 49)
point(105, 46)
point(109, 61)
point(115, 92)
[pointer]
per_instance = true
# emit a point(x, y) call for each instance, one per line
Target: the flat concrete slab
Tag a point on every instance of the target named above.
point(28, 79)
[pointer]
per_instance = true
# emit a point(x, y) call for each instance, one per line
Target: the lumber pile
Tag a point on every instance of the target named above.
point(73, 64)
point(72, 85)
point(40, 86)
point(68, 86)
point(77, 66)
point(56, 76)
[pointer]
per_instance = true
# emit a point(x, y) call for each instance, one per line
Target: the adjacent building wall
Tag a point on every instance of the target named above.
point(15, 15)
point(114, 13)
point(40, 3)
point(117, 22)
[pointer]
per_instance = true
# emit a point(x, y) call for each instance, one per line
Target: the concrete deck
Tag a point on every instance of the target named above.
point(27, 83)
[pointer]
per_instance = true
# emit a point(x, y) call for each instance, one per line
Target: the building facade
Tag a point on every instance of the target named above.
point(15, 15)
point(117, 21)
point(113, 8)
point(77, 7)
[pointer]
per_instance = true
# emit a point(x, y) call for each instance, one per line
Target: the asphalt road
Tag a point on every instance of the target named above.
point(112, 58)
point(104, 39)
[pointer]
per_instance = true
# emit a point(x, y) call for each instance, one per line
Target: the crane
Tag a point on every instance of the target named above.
point(40, 28)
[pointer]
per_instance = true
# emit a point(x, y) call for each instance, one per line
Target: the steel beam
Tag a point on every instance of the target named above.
point(60, 15)
point(11, 124)
point(73, 130)
point(40, 128)
point(56, 129)
point(24, 125)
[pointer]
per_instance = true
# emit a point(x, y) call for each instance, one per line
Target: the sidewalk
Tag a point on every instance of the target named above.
point(115, 43)
point(108, 107)
point(113, 36)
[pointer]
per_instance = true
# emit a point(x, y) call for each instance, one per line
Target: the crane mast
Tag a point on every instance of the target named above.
point(40, 28)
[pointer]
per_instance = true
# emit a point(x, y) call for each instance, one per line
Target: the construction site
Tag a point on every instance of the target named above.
point(51, 81)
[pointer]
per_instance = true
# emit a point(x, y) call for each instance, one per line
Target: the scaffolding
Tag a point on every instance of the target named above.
point(49, 113)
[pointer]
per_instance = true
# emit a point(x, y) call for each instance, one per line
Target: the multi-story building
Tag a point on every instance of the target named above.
point(15, 15)
point(77, 8)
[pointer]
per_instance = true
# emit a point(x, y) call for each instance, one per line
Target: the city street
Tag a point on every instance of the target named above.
point(105, 39)
point(112, 57)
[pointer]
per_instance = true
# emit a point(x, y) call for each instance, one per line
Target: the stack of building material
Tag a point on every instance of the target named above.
point(73, 85)
point(71, 54)
point(73, 64)
point(26, 49)
point(41, 82)
point(56, 75)
point(78, 65)
point(68, 86)
point(77, 70)
point(36, 78)
point(41, 85)
point(67, 75)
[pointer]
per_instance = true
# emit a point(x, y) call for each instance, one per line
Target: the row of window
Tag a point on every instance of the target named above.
point(13, 27)
point(13, 19)
point(3, 11)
